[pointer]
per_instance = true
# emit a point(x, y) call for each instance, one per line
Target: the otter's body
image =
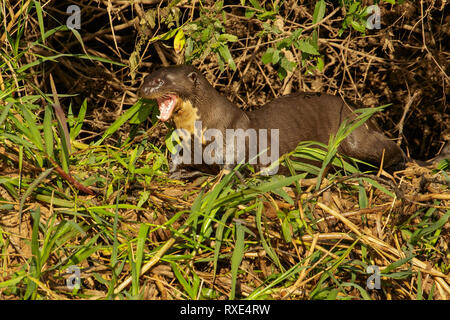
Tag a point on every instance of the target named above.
point(186, 96)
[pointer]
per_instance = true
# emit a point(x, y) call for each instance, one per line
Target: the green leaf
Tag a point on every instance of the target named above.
point(165, 36)
point(221, 189)
point(396, 264)
point(296, 34)
point(35, 135)
point(353, 7)
point(282, 73)
point(182, 280)
point(284, 43)
point(379, 187)
point(341, 259)
point(35, 265)
point(320, 64)
point(76, 128)
point(118, 123)
point(358, 26)
point(48, 132)
point(266, 15)
point(38, 7)
point(179, 41)
point(79, 38)
point(319, 11)
point(265, 243)
point(286, 275)
point(433, 227)
point(132, 159)
point(399, 275)
point(219, 238)
point(142, 236)
point(364, 294)
point(277, 184)
point(55, 201)
point(19, 141)
point(225, 37)
point(4, 113)
point(362, 196)
point(443, 165)
point(169, 142)
point(146, 109)
point(419, 286)
point(287, 65)
point(30, 189)
point(332, 294)
point(218, 5)
point(188, 52)
point(268, 56)
point(286, 229)
point(249, 13)
point(11, 282)
point(306, 47)
point(236, 258)
point(256, 4)
point(64, 146)
point(280, 192)
point(276, 56)
point(55, 59)
point(226, 55)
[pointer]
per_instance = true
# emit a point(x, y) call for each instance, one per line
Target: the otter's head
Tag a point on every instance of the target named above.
point(172, 87)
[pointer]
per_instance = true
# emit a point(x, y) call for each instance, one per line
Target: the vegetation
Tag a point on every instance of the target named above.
point(84, 185)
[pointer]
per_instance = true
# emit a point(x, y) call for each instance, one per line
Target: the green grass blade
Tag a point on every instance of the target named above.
point(364, 294)
point(433, 227)
point(419, 295)
point(118, 123)
point(142, 237)
point(30, 189)
point(19, 141)
point(35, 135)
point(219, 238)
point(37, 5)
point(379, 187)
point(396, 264)
point(76, 128)
point(362, 197)
point(277, 183)
point(85, 251)
point(13, 281)
point(183, 281)
point(263, 289)
point(4, 113)
point(236, 258)
point(115, 247)
point(48, 132)
point(35, 265)
point(264, 242)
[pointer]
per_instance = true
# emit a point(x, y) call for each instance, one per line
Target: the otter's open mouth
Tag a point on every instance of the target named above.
point(166, 104)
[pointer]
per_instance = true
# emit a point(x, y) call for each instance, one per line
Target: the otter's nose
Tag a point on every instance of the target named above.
point(151, 85)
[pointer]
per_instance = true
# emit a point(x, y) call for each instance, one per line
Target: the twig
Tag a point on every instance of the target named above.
point(405, 111)
point(70, 179)
point(148, 265)
point(30, 189)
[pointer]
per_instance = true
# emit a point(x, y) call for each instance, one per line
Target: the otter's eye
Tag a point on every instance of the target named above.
point(157, 82)
point(193, 76)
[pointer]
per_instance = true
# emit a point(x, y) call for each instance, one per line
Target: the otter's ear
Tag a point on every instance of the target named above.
point(193, 76)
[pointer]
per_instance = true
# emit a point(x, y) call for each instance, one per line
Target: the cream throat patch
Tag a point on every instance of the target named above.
point(185, 116)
